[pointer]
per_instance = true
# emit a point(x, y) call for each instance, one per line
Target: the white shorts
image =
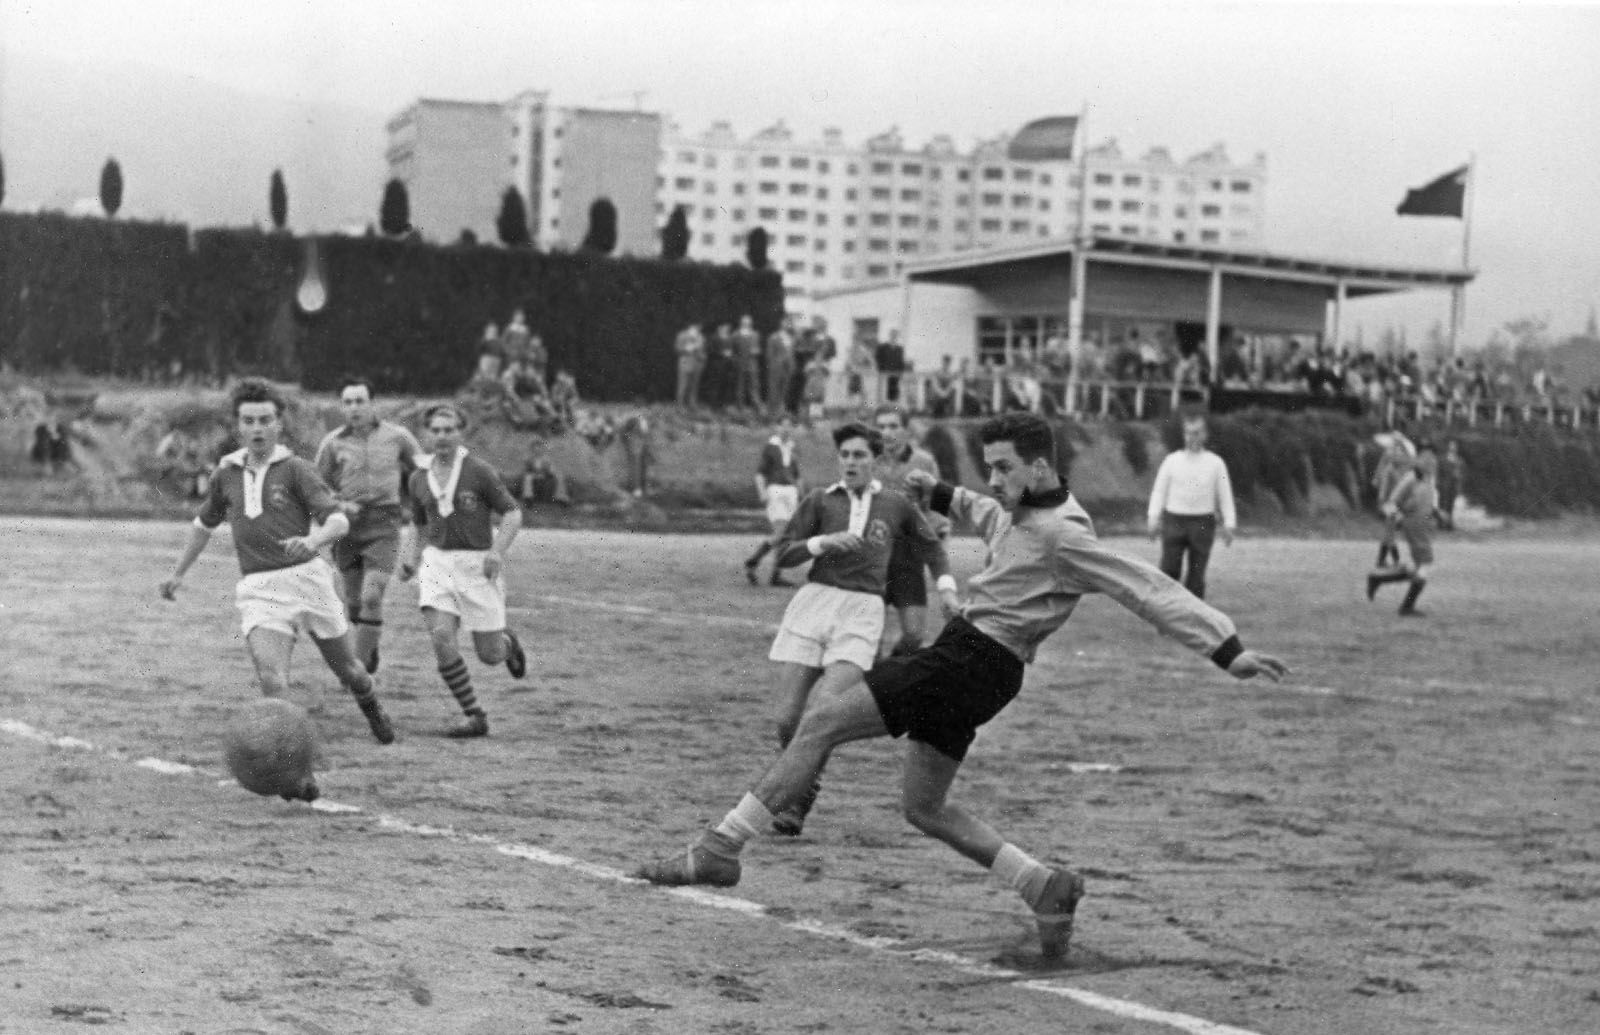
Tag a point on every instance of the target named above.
point(824, 624)
point(782, 502)
point(452, 581)
point(289, 599)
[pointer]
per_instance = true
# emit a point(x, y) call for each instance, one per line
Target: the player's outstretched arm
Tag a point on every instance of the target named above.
point(1250, 664)
point(199, 536)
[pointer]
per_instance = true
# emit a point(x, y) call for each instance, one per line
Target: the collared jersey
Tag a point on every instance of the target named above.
point(889, 516)
point(1193, 485)
point(1414, 498)
point(893, 468)
point(1044, 557)
point(479, 493)
point(369, 469)
point(292, 496)
point(774, 468)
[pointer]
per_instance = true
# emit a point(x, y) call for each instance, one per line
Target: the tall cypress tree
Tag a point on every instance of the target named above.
point(602, 235)
point(512, 222)
point(111, 187)
point(755, 248)
point(278, 200)
point(675, 235)
point(394, 215)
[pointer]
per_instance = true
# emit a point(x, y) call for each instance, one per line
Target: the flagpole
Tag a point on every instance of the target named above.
point(1458, 300)
point(1080, 261)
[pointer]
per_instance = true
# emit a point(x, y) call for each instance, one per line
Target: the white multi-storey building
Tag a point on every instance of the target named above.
point(836, 215)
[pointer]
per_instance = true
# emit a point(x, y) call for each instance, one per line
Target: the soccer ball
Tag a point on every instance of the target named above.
point(270, 749)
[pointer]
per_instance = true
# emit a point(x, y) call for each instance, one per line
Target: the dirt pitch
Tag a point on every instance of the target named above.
point(1403, 838)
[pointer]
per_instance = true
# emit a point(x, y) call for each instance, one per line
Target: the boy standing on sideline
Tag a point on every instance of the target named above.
point(1043, 558)
point(1191, 490)
point(270, 498)
point(1409, 509)
point(458, 557)
point(366, 463)
point(778, 483)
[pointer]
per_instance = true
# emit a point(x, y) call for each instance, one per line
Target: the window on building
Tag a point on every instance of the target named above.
point(992, 200)
point(711, 188)
point(1180, 212)
point(1020, 226)
point(1210, 236)
point(1128, 230)
point(711, 161)
point(1129, 205)
point(822, 165)
point(1044, 230)
point(907, 247)
point(741, 162)
point(1132, 180)
point(993, 172)
point(1021, 174)
point(738, 215)
point(708, 239)
point(963, 175)
point(794, 266)
point(821, 244)
point(822, 194)
point(882, 168)
point(963, 226)
point(739, 189)
point(1241, 211)
point(878, 219)
point(799, 162)
point(876, 270)
point(736, 240)
point(852, 169)
point(1153, 210)
point(847, 273)
point(799, 215)
point(1210, 211)
point(767, 187)
point(1237, 234)
point(1021, 201)
point(963, 200)
point(688, 157)
point(1155, 184)
point(766, 213)
point(909, 222)
point(822, 219)
point(881, 194)
point(910, 169)
point(989, 226)
point(849, 247)
point(709, 212)
point(819, 270)
point(683, 183)
point(794, 290)
point(850, 194)
point(770, 161)
point(850, 220)
point(1000, 337)
point(1104, 179)
point(1101, 204)
point(933, 226)
point(877, 244)
point(935, 173)
point(1044, 204)
point(795, 240)
point(799, 190)
point(1101, 228)
point(1044, 179)
point(1179, 236)
point(1216, 184)
point(911, 195)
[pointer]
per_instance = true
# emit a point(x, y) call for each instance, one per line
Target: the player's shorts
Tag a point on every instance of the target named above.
point(782, 502)
point(453, 581)
point(373, 542)
point(301, 596)
point(941, 694)
point(1419, 539)
point(824, 624)
point(905, 585)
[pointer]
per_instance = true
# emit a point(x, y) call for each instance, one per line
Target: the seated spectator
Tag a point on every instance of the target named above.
point(43, 452)
point(61, 447)
point(595, 428)
point(541, 482)
point(490, 355)
point(564, 398)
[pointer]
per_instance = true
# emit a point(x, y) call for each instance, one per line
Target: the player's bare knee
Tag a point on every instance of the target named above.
point(372, 603)
point(444, 641)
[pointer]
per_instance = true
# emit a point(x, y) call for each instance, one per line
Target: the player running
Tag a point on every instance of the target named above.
point(779, 484)
point(1043, 557)
point(458, 556)
point(1409, 510)
point(366, 462)
point(270, 498)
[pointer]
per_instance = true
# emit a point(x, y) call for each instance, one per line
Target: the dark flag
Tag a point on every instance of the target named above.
point(1044, 140)
point(1445, 196)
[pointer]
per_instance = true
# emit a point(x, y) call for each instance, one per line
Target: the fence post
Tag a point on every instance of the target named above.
point(1105, 399)
point(961, 397)
point(1177, 393)
point(996, 388)
point(1138, 401)
point(1499, 413)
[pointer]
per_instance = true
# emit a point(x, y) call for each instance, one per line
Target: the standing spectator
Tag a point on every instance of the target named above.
point(491, 356)
point(862, 371)
point(817, 374)
point(941, 390)
point(805, 347)
point(747, 365)
point(778, 483)
point(1191, 489)
point(717, 379)
point(1149, 352)
point(889, 357)
point(691, 349)
point(514, 342)
point(1449, 485)
point(826, 347)
point(537, 357)
point(61, 446)
point(43, 452)
point(541, 481)
point(564, 398)
point(780, 365)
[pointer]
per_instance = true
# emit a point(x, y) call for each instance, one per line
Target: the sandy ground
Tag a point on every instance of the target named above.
point(1405, 837)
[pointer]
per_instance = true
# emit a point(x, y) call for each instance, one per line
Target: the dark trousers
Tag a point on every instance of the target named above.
point(1188, 534)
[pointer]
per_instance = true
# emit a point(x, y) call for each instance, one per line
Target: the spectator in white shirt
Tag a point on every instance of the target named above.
point(1191, 491)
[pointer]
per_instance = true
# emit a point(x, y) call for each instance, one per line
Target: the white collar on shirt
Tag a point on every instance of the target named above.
point(253, 482)
point(785, 448)
point(873, 488)
point(444, 495)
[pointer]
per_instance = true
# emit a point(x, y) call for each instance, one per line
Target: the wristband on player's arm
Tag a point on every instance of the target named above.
point(946, 582)
point(1231, 648)
point(941, 497)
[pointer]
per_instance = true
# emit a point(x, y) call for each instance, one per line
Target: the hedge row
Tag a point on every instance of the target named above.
point(135, 300)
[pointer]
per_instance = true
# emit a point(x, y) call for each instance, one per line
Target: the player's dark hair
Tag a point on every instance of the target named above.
point(895, 408)
point(855, 429)
point(353, 381)
point(450, 408)
point(1029, 433)
point(255, 390)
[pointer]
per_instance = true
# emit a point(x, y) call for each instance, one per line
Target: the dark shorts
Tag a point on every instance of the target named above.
point(372, 544)
point(1419, 539)
point(941, 694)
point(905, 585)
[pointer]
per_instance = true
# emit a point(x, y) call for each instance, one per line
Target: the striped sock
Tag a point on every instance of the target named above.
point(459, 680)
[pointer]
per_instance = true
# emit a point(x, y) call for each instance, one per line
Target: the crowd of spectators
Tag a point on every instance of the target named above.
point(513, 376)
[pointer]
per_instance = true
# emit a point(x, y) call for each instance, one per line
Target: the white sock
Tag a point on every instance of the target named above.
point(746, 821)
point(1021, 872)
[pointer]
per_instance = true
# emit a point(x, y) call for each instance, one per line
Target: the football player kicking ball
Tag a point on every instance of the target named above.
point(458, 557)
point(270, 498)
point(1043, 557)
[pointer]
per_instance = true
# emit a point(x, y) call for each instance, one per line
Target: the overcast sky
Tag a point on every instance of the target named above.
point(1351, 103)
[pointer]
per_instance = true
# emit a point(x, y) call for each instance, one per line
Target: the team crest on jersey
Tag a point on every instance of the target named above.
point(878, 531)
point(466, 501)
point(278, 497)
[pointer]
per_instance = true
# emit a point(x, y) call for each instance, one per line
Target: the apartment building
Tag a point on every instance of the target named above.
point(836, 214)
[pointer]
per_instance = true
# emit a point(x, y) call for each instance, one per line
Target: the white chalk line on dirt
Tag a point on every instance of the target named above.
point(880, 945)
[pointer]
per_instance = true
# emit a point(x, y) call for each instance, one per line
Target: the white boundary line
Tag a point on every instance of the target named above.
point(893, 947)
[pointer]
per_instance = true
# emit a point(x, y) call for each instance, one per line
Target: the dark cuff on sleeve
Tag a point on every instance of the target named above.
point(1231, 648)
point(942, 496)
